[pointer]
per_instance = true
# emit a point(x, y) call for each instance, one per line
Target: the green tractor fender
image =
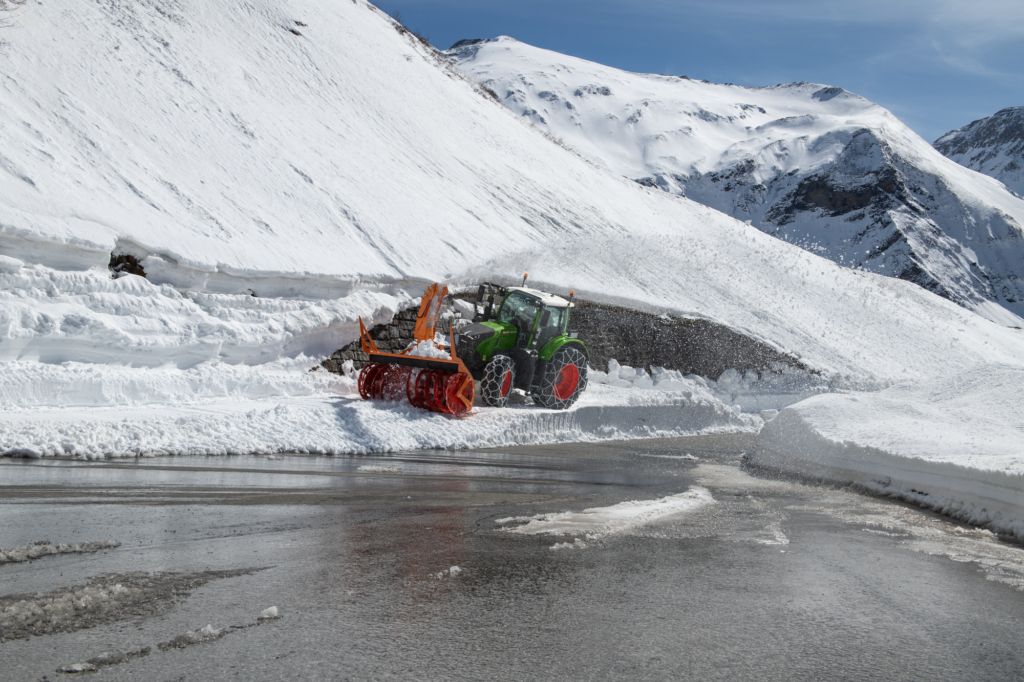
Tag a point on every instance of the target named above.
point(554, 344)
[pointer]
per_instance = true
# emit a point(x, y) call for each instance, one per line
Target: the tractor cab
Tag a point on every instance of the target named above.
point(537, 316)
point(526, 343)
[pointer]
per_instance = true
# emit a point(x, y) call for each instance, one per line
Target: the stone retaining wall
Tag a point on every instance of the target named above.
point(633, 338)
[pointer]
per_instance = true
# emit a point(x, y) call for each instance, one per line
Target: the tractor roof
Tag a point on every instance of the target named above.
point(550, 300)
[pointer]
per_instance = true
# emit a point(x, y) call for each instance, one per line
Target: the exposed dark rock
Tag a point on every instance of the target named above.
point(125, 264)
point(692, 346)
point(390, 337)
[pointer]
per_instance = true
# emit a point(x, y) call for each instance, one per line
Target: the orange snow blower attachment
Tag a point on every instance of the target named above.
point(441, 384)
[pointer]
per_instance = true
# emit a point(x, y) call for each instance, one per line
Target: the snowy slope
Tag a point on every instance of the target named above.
point(993, 146)
point(350, 158)
point(814, 165)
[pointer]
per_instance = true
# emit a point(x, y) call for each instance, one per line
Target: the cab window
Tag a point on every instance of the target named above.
point(555, 325)
point(519, 309)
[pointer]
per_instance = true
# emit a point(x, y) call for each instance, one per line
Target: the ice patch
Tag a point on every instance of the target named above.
point(268, 613)
point(369, 468)
point(600, 522)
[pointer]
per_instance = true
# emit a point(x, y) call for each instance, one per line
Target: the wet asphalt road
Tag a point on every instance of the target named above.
point(776, 580)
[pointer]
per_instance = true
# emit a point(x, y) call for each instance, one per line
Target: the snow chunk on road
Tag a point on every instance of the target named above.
point(599, 522)
point(46, 548)
point(378, 469)
point(449, 573)
point(955, 445)
point(206, 634)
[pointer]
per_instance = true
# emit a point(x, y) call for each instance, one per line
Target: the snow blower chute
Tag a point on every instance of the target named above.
point(420, 373)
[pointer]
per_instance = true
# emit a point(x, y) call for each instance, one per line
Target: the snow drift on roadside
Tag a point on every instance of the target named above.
point(750, 391)
point(345, 424)
point(955, 444)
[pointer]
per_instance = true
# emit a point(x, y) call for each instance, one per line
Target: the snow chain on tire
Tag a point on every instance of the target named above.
point(565, 377)
point(499, 377)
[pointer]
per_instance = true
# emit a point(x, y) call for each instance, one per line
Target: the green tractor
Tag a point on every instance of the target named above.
point(520, 339)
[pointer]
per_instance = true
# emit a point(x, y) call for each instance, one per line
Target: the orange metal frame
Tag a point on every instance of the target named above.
point(426, 324)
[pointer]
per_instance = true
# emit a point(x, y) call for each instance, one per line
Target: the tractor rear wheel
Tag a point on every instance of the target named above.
point(499, 377)
point(565, 377)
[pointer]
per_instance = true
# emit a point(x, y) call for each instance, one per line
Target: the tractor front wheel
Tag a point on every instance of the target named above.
point(565, 377)
point(499, 376)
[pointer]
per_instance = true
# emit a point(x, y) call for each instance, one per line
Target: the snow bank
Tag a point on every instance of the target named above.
point(55, 316)
point(342, 424)
point(955, 445)
point(600, 522)
point(750, 391)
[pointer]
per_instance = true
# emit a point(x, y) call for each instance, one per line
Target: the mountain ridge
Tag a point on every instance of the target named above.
point(812, 164)
point(993, 145)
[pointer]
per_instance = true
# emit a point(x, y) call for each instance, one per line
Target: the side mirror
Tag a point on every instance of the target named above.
point(545, 317)
point(480, 295)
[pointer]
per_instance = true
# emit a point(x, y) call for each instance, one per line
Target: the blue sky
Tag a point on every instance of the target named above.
point(936, 64)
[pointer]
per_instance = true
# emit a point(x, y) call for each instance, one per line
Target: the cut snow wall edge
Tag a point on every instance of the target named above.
point(349, 428)
point(991, 499)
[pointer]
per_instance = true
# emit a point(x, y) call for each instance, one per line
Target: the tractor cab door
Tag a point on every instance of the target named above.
point(520, 310)
point(550, 324)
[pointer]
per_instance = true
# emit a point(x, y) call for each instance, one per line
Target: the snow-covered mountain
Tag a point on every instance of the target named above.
point(814, 165)
point(993, 146)
point(277, 168)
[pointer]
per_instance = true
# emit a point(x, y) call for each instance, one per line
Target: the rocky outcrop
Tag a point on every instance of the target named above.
point(993, 146)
